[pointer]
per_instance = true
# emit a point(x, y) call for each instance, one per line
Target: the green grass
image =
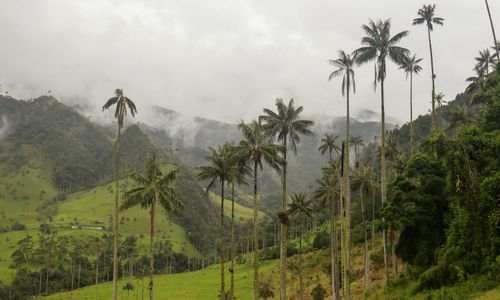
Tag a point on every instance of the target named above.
point(240, 211)
point(198, 285)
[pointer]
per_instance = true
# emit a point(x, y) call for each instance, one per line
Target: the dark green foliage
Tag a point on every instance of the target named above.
point(319, 292)
point(321, 240)
point(18, 226)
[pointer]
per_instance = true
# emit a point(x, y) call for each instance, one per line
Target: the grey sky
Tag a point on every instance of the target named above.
point(226, 59)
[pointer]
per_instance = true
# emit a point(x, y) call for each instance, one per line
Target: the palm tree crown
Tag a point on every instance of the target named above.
point(426, 15)
point(410, 65)
point(484, 61)
point(329, 144)
point(122, 104)
point(345, 68)
point(257, 146)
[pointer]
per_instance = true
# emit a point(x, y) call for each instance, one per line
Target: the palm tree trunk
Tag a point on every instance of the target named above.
point(342, 223)
point(116, 221)
point(151, 244)
point(301, 284)
point(97, 278)
point(492, 29)
point(383, 178)
point(433, 113)
point(411, 112)
point(365, 252)
point(347, 192)
point(283, 227)
point(333, 250)
point(222, 280)
point(40, 284)
point(255, 238)
point(233, 249)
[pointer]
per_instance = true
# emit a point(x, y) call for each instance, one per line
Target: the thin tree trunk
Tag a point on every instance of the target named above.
point(283, 226)
point(97, 278)
point(373, 221)
point(222, 280)
point(40, 284)
point(233, 249)
point(433, 113)
point(383, 178)
point(411, 112)
point(116, 242)
point(151, 244)
point(342, 222)
point(492, 30)
point(365, 252)
point(334, 249)
point(301, 284)
point(255, 237)
point(347, 192)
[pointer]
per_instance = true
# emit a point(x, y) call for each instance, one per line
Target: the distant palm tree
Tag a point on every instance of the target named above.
point(300, 207)
point(287, 126)
point(379, 45)
point(220, 168)
point(426, 15)
point(152, 188)
point(363, 179)
point(440, 99)
point(460, 115)
point(411, 66)
point(477, 82)
point(496, 48)
point(255, 147)
point(266, 290)
point(357, 143)
point(344, 65)
point(329, 144)
point(122, 105)
point(484, 61)
point(492, 30)
point(326, 193)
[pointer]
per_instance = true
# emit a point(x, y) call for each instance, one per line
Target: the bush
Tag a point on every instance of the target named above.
point(319, 292)
point(321, 240)
point(438, 276)
point(377, 256)
point(18, 226)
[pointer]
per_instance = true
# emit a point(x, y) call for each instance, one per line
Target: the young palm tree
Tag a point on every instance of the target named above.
point(300, 207)
point(484, 61)
point(411, 66)
point(344, 65)
point(220, 168)
point(363, 180)
point(151, 189)
point(287, 126)
point(329, 144)
point(492, 30)
point(378, 45)
point(122, 105)
point(255, 147)
point(266, 290)
point(357, 143)
point(325, 194)
point(426, 15)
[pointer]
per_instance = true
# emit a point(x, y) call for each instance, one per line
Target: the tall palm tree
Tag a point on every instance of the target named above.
point(484, 61)
point(220, 168)
point(300, 207)
point(153, 188)
point(287, 126)
point(326, 193)
point(329, 144)
point(378, 45)
point(426, 15)
point(241, 171)
point(411, 66)
point(256, 147)
point(364, 182)
point(344, 66)
point(122, 104)
point(492, 29)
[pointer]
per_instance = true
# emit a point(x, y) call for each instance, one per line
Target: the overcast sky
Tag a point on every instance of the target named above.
point(227, 59)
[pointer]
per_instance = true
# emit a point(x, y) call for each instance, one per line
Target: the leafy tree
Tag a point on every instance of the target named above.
point(378, 45)
point(345, 68)
point(122, 104)
point(255, 148)
point(266, 290)
point(426, 15)
point(411, 66)
point(300, 207)
point(287, 126)
point(329, 144)
point(155, 187)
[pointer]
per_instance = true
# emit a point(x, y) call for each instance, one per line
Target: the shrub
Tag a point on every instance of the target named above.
point(438, 276)
point(18, 226)
point(319, 292)
point(321, 240)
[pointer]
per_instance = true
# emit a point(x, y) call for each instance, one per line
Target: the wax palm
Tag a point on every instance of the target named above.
point(484, 61)
point(329, 144)
point(287, 126)
point(426, 16)
point(344, 65)
point(363, 180)
point(122, 105)
point(300, 207)
point(411, 65)
point(221, 168)
point(495, 43)
point(477, 82)
point(255, 148)
point(378, 45)
point(357, 143)
point(151, 189)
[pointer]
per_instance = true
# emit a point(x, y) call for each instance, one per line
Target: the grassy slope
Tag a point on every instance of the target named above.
point(240, 211)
